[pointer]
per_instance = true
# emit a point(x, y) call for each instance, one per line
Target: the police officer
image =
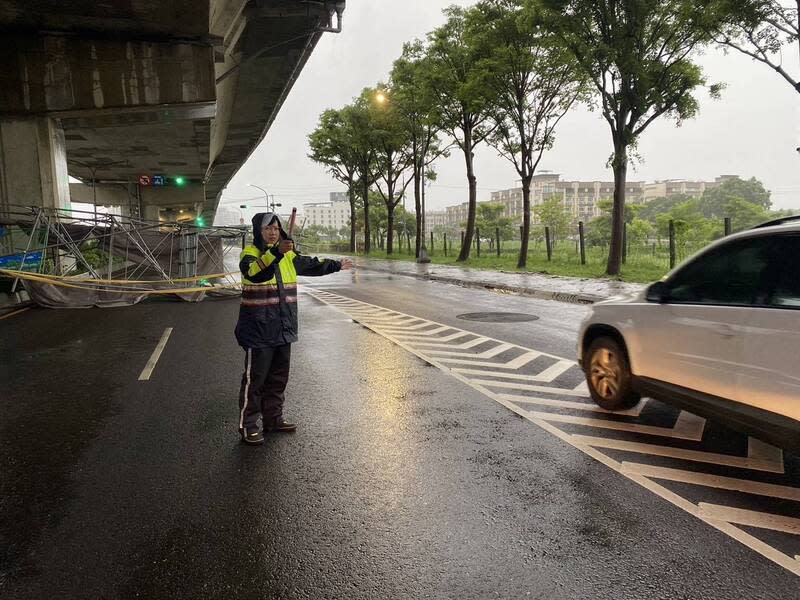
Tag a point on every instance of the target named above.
point(267, 324)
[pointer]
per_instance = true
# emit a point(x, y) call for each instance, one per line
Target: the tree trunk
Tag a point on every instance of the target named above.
point(353, 218)
point(618, 214)
point(526, 222)
point(468, 157)
point(417, 198)
point(390, 227)
point(365, 191)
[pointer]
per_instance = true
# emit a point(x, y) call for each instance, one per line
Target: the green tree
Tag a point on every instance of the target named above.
point(764, 30)
point(660, 205)
point(420, 115)
point(598, 231)
point(745, 214)
point(490, 217)
point(639, 231)
point(553, 214)
point(358, 117)
point(393, 156)
point(332, 144)
point(535, 85)
point(638, 56)
point(715, 200)
point(453, 78)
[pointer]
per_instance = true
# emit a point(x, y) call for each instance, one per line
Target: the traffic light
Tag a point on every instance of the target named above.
point(179, 181)
point(200, 221)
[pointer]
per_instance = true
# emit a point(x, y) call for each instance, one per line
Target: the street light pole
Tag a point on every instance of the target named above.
point(266, 195)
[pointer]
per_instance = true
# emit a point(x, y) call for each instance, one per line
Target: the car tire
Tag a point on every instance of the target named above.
point(608, 375)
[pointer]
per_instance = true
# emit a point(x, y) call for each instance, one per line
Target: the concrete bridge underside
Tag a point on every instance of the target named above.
point(114, 90)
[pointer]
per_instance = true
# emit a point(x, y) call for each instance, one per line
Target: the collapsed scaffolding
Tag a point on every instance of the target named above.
point(68, 258)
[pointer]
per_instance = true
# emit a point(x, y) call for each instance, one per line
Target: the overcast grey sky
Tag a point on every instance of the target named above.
point(752, 130)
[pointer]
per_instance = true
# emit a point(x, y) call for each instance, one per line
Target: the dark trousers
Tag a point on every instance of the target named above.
point(266, 371)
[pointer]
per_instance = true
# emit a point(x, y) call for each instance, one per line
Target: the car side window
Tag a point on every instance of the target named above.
point(785, 293)
point(732, 274)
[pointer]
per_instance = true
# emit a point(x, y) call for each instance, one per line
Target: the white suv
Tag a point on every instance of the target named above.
point(719, 336)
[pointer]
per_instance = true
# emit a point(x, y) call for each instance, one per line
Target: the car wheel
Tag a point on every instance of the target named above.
point(608, 374)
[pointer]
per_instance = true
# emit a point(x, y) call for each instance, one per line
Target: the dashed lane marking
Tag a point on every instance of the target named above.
point(508, 374)
point(151, 363)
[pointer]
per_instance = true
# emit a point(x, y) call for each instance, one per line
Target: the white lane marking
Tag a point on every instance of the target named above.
point(470, 344)
point(676, 433)
point(388, 332)
point(151, 363)
point(546, 376)
point(751, 518)
point(491, 353)
point(591, 407)
point(730, 530)
point(514, 363)
point(691, 424)
point(415, 328)
point(763, 451)
point(681, 453)
point(528, 388)
point(582, 387)
point(716, 481)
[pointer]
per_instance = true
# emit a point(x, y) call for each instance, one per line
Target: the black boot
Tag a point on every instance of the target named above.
point(281, 426)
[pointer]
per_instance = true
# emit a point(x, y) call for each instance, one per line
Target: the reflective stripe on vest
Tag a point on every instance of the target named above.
point(288, 272)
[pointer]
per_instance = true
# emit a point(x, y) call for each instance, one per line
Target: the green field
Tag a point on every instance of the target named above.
point(643, 264)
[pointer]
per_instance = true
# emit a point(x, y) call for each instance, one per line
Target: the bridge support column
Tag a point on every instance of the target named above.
point(33, 164)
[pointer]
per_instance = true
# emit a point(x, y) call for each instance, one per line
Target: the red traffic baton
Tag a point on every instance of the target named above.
point(292, 220)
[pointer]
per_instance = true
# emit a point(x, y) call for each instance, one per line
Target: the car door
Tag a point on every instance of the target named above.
point(769, 377)
point(697, 341)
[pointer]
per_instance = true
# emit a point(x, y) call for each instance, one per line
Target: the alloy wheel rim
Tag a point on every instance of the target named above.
point(605, 373)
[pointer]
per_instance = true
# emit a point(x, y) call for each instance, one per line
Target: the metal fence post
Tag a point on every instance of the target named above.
point(671, 244)
point(462, 239)
point(478, 241)
point(444, 237)
point(547, 242)
point(431, 243)
point(582, 242)
point(728, 226)
point(497, 239)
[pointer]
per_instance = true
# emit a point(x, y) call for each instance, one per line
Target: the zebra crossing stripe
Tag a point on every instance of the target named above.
point(761, 457)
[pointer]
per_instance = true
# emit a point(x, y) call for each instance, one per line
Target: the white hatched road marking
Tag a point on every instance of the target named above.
point(761, 457)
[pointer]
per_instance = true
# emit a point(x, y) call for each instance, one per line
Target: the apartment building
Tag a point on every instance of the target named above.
point(673, 187)
point(581, 198)
point(328, 214)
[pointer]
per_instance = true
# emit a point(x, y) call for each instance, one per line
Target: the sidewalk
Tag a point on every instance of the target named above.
point(547, 287)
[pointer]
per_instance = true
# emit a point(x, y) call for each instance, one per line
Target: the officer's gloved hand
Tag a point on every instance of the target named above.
point(285, 246)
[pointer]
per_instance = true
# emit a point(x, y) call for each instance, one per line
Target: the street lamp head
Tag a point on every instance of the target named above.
point(380, 98)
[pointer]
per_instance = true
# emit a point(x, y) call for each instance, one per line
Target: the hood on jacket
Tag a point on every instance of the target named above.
point(259, 221)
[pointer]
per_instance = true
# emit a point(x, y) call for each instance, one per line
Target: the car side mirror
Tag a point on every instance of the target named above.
point(658, 292)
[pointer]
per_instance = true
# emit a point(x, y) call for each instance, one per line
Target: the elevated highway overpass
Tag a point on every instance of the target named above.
point(122, 93)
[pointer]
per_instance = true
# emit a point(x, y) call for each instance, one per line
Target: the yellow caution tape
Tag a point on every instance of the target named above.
point(20, 274)
point(100, 287)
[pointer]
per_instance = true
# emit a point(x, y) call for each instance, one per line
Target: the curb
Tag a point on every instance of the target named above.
point(525, 291)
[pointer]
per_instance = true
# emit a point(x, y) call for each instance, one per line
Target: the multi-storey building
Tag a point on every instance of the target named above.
point(456, 215)
point(328, 214)
point(581, 198)
point(436, 219)
point(673, 187)
point(339, 197)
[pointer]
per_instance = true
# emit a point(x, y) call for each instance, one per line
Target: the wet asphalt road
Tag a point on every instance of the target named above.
point(401, 482)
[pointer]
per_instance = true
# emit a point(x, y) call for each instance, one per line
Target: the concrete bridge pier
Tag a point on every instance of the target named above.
point(33, 163)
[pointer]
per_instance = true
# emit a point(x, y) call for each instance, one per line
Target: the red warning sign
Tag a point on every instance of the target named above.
point(144, 180)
